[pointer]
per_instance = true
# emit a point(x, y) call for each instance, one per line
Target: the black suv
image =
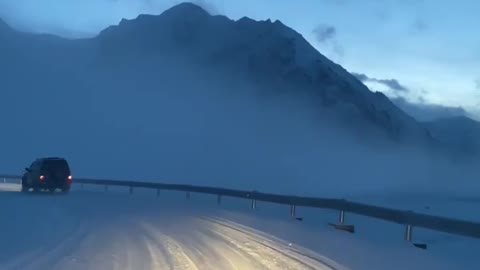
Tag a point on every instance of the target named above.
point(47, 174)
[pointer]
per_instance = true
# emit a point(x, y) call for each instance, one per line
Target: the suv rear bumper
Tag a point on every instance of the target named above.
point(49, 184)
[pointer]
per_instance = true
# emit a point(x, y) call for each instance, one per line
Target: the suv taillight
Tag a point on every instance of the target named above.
point(41, 178)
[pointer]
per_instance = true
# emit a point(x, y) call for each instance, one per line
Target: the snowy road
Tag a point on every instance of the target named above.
point(95, 230)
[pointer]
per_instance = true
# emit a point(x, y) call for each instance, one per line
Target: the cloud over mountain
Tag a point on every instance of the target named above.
point(390, 83)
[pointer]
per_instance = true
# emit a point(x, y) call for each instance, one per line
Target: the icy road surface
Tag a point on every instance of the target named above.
point(94, 229)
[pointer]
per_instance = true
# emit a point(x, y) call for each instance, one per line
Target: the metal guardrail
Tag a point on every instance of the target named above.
point(407, 218)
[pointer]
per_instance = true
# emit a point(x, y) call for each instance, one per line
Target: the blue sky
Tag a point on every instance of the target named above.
point(431, 48)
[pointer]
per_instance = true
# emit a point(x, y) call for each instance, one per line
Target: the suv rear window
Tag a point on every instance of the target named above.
point(55, 167)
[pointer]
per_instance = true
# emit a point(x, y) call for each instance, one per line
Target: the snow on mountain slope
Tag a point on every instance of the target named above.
point(273, 54)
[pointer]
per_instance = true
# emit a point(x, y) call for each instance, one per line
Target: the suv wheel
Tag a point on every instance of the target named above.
point(25, 188)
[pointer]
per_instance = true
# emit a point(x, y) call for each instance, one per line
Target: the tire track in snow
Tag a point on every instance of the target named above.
point(179, 259)
point(116, 246)
point(159, 258)
point(206, 252)
point(272, 243)
point(110, 237)
point(269, 258)
point(44, 257)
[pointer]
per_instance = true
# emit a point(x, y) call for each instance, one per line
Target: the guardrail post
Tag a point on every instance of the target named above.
point(341, 217)
point(408, 237)
point(158, 192)
point(131, 190)
point(341, 223)
point(254, 204)
point(292, 211)
point(408, 233)
point(106, 188)
point(219, 199)
point(188, 195)
point(4, 180)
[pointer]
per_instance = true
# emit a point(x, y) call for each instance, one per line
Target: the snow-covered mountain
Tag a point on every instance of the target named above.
point(269, 53)
point(189, 97)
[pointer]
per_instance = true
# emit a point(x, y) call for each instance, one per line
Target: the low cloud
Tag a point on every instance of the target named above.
point(423, 111)
point(324, 33)
point(390, 83)
point(327, 34)
point(393, 84)
point(362, 77)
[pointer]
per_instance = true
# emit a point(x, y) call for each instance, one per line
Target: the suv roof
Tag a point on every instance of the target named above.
point(54, 163)
point(50, 158)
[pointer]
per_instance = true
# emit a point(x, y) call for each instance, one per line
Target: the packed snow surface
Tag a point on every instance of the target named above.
point(91, 228)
